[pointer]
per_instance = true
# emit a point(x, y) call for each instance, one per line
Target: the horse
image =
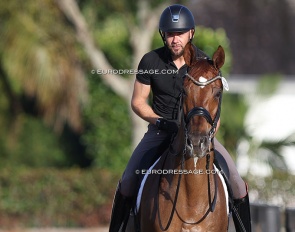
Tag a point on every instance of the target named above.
point(183, 191)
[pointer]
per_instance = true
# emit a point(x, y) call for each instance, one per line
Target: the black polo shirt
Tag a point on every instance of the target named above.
point(157, 69)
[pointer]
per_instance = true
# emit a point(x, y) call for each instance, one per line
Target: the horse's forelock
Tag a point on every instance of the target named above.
point(201, 66)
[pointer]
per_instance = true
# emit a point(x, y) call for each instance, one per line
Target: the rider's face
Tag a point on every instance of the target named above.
point(176, 41)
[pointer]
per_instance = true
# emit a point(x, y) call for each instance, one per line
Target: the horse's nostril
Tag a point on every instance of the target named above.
point(202, 140)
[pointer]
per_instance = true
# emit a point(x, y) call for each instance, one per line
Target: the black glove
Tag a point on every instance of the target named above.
point(170, 126)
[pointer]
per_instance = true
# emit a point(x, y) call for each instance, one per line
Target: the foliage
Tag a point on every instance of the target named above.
point(113, 39)
point(52, 197)
point(108, 127)
point(39, 60)
point(209, 39)
point(34, 145)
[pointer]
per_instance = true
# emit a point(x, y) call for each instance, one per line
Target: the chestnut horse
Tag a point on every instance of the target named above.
point(184, 191)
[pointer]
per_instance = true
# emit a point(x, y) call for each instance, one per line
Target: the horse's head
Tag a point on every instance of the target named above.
point(203, 86)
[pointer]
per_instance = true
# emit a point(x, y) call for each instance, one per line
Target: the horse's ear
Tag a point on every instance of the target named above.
point(219, 57)
point(189, 54)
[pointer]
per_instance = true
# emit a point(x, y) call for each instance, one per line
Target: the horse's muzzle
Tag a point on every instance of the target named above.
point(198, 145)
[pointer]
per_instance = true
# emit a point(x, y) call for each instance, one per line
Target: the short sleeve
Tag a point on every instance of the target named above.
point(142, 75)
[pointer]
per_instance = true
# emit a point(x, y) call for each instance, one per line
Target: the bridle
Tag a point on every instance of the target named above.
point(200, 111)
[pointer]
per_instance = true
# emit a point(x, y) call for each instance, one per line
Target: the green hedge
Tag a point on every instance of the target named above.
point(53, 197)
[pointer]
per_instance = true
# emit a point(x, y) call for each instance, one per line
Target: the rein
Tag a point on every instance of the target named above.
point(174, 202)
point(199, 111)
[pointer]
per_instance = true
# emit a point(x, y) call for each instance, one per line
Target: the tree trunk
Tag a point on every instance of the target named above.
point(140, 39)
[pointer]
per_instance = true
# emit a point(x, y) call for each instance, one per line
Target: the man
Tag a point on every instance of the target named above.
point(161, 71)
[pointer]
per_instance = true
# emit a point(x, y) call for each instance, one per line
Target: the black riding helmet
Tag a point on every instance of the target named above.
point(176, 18)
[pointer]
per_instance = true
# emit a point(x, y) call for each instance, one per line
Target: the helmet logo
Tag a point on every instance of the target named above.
point(175, 18)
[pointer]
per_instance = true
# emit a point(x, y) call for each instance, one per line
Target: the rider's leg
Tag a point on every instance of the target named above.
point(241, 216)
point(126, 190)
point(147, 150)
point(120, 211)
point(237, 183)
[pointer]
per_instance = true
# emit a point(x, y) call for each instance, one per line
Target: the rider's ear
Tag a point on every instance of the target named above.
point(189, 54)
point(219, 57)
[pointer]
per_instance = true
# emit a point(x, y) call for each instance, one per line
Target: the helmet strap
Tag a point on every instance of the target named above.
point(163, 36)
point(193, 35)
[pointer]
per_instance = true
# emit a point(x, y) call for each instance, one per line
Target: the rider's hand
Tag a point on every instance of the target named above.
point(170, 126)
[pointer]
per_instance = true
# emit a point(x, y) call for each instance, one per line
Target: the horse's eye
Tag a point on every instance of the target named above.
point(218, 94)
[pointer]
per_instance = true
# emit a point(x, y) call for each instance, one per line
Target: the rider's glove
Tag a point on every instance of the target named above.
point(170, 126)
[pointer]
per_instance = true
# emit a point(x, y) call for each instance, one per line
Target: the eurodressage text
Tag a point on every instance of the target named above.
point(177, 171)
point(132, 71)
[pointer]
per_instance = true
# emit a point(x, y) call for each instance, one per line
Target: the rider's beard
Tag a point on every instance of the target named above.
point(176, 50)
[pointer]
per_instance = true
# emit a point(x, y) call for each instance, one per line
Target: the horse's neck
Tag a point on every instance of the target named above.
point(199, 164)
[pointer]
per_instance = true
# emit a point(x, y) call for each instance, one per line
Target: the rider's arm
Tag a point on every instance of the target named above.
point(139, 102)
